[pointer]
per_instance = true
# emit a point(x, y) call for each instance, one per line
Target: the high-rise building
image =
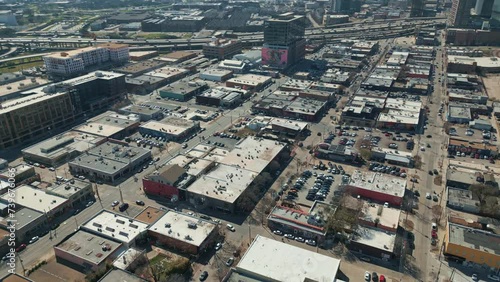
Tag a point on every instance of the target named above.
point(284, 42)
point(417, 8)
point(484, 8)
point(495, 15)
point(460, 13)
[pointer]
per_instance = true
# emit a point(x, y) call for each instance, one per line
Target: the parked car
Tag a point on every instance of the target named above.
point(374, 277)
point(311, 242)
point(277, 232)
point(123, 207)
point(21, 248)
point(289, 236)
point(367, 276)
point(218, 246)
point(34, 239)
point(229, 261)
point(114, 203)
point(139, 203)
point(493, 277)
point(230, 227)
point(300, 239)
point(203, 276)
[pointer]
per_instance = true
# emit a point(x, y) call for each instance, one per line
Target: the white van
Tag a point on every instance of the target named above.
point(230, 227)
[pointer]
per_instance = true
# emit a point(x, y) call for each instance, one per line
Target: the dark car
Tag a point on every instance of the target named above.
point(429, 136)
point(123, 207)
point(374, 277)
point(21, 248)
point(139, 203)
point(203, 276)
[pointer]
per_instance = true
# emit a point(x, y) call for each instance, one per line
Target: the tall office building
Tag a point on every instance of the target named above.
point(484, 8)
point(460, 12)
point(495, 15)
point(417, 8)
point(284, 42)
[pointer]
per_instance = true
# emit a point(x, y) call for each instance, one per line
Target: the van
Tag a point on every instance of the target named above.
point(123, 207)
point(230, 227)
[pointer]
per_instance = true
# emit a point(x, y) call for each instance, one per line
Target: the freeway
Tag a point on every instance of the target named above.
point(319, 32)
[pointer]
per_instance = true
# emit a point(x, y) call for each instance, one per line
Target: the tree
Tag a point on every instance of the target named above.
point(366, 154)
point(483, 191)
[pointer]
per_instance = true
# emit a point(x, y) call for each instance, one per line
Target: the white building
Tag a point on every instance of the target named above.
point(271, 260)
point(73, 62)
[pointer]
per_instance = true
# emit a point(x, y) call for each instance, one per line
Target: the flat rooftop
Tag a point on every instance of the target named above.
point(482, 62)
point(400, 116)
point(21, 85)
point(183, 227)
point(150, 215)
point(123, 229)
point(250, 79)
point(19, 103)
point(63, 144)
point(24, 217)
point(253, 154)
point(35, 199)
point(297, 84)
point(88, 247)
point(136, 109)
point(161, 126)
point(106, 126)
point(179, 55)
point(375, 238)
point(140, 67)
point(378, 182)
point(296, 218)
point(474, 239)
point(224, 182)
point(168, 72)
point(110, 157)
point(386, 216)
point(71, 53)
point(68, 189)
point(216, 72)
point(116, 275)
point(305, 106)
point(268, 258)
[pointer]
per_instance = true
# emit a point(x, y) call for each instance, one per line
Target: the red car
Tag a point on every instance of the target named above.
point(434, 234)
point(21, 247)
point(381, 278)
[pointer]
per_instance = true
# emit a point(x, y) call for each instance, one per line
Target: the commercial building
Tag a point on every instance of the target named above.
point(116, 227)
point(266, 258)
point(461, 199)
point(142, 55)
point(297, 222)
point(139, 68)
point(127, 17)
point(234, 66)
point(284, 43)
point(62, 148)
point(22, 174)
point(378, 187)
point(15, 88)
point(172, 128)
point(458, 114)
point(335, 19)
point(109, 161)
point(110, 125)
point(379, 216)
point(163, 182)
point(76, 191)
point(395, 157)
point(337, 153)
point(473, 246)
point(278, 126)
point(400, 114)
point(8, 18)
point(39, 200)
point(250, 82)
point(87, 251)
point(177, 57)
point(464, 64)
point(184, 233)
point(182, 91)
point(217, 75)
point(215, 96)
point(74, 62)
point(222, 48)
point(144, 113)
point(373, 242)
point(362, 111)
point(27, 222)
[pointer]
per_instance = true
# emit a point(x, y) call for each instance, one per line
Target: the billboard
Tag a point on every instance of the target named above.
point(277, 58)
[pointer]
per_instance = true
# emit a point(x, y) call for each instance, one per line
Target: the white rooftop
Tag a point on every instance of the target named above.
point(378, 182)
point(375, 238)
point(224, 182)
point(253, 154)
point(183, 227)
point(113, 225)
point(277, 261)
point(35, 199)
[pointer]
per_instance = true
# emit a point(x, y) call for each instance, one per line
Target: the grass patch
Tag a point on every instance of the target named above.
point(20, 67)
point(156, 35)
point(157, 259)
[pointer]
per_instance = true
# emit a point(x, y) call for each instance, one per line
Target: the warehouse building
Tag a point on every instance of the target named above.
point(215, 96)
point(250, 82)
point(177, 57)
point(222, 48)
point(39, 200)
point(184, 233)
point(109, 162)
point(76, 191)
point(164, 182)
point(144, 113)
point(110, 125)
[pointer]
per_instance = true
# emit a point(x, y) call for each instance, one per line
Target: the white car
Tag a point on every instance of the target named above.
point(474, 277)
point(289, 236)
point(300, 239)
point(311, 242)
point(218, 246)
point(34, 239)
point(428, 196)
point(367, 276)
point(115, 203)
point(277, 232)
point(230, 261)
point(230, 227)
point(52, 169)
